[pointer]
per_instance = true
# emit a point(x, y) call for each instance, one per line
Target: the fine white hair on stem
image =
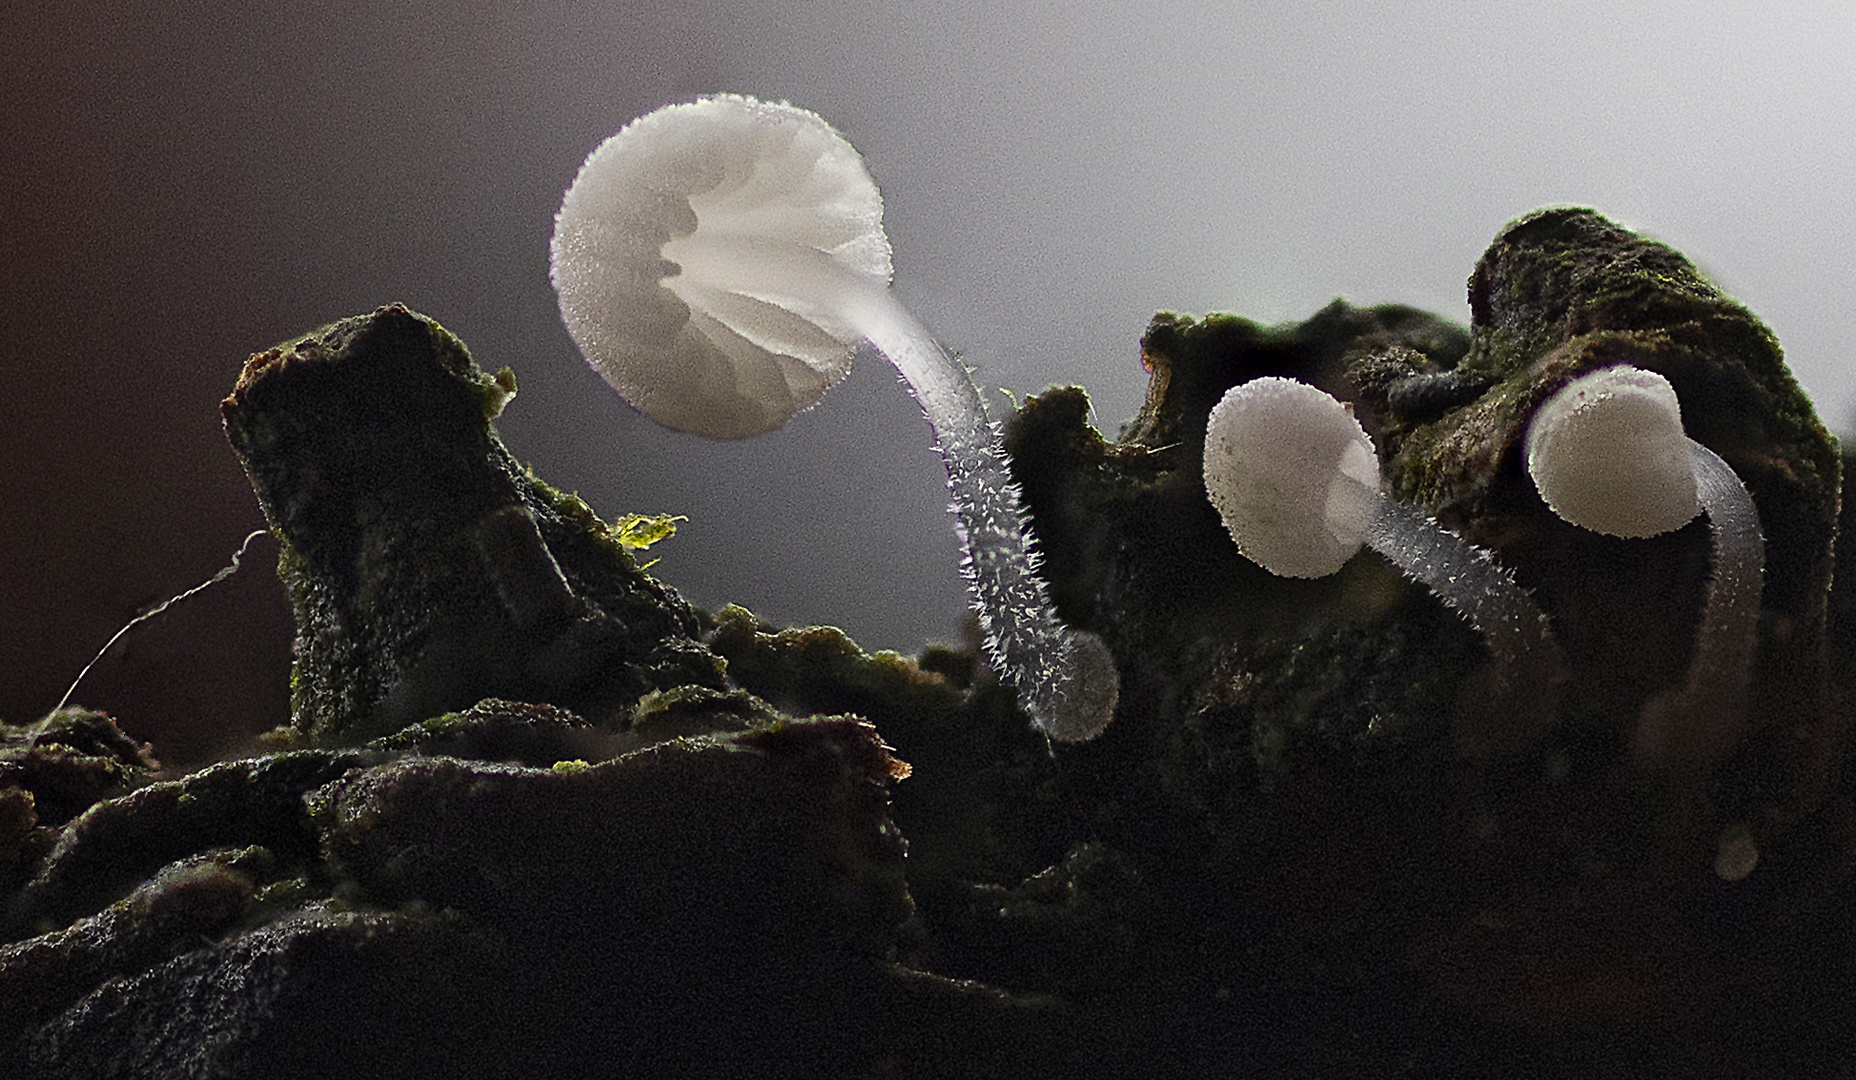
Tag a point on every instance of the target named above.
point(720, 261)
point(1472, 583)
point(1295, 479)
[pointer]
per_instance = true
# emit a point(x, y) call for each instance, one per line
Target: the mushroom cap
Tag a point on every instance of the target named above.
point(700, 251)
point(1293, 475)
point(1608, 454)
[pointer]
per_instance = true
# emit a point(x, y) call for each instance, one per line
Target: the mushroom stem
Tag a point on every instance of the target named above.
point(1686, 732)
point(1730, 622)
point(1515, 699)
point(1473, 585)
point(1065, 677)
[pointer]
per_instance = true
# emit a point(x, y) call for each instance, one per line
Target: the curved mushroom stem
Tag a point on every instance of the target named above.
point(1730, 622)
point(1065, 677)
point(1686, 732)
point(1473, 584)
point(1519, 699)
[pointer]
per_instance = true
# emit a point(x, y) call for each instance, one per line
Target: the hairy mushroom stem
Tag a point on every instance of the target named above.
point(720, 261)
point(1066, 677)
point(1469, 580)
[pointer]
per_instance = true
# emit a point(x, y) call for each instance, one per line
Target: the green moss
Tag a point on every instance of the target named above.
point(692, 710)
point(502, 387)
point(441, 572)
point(1281, 832)
point(497, 730)
point(1564, 291)
point(639, 531)
point(984, 806)
point(781, 664)
point(68, 761)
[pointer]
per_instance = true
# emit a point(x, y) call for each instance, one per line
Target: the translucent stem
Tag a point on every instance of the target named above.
point(1066, 678)
point(1685, 733)
point(1729, 632)
point(1473, 584)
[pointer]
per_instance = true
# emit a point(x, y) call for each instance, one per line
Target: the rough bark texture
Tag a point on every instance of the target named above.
point(429, 570)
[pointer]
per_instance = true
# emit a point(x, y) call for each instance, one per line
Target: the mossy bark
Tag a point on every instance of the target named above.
point(537, 816)
point(427, 568)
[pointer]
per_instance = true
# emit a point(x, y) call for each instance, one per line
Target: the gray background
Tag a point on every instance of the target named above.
point(180, 191)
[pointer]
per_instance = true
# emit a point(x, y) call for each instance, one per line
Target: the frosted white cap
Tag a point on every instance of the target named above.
point(1293, 475)
point(1608, 454)
point(700, 251)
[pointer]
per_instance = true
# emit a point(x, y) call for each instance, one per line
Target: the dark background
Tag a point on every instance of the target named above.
point(181, 191)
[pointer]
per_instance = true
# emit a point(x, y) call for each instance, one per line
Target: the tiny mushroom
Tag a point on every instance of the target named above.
point(1608, 453)
point(720, 262)
point(1295, 478)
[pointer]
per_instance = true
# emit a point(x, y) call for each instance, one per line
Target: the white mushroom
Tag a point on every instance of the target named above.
point(1295, 478)
point(1608, 453)
point(719, 262)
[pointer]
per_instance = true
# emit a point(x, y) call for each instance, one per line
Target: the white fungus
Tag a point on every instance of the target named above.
point(1295, 478)
point(1608, 453)
point(720, 262)
point(730, 329)
point(1293, 475)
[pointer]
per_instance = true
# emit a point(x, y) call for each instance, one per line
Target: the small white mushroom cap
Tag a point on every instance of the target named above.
point(1608, 454)
point(701, 253)
point(1293, 475)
